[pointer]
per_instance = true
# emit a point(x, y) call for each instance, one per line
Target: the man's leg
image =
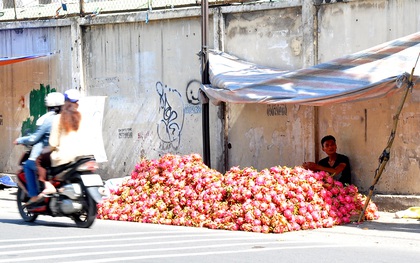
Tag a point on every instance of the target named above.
point(31, 178)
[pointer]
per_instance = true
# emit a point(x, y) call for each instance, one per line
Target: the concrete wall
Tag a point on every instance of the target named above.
point(273, 134)
point(146, 64)
point(363, 128)
point(23, 85)
point(151, 75)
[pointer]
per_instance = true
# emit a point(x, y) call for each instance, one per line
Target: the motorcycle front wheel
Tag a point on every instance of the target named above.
point(21, 199)
point(86, 217)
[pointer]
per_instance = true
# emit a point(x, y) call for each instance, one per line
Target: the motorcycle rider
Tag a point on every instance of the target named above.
point(39, 140)
point(78, 187)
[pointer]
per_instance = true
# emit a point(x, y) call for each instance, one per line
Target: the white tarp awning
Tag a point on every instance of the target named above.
point(368, 74)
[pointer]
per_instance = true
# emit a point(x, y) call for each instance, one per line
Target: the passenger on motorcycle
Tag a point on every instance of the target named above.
point(66, 139)
point(39, 140)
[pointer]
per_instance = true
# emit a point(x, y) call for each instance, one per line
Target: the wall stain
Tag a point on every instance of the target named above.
point(22, 102)
point(36, 107)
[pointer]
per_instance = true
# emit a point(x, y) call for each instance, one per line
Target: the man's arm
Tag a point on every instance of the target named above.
point(316, 167)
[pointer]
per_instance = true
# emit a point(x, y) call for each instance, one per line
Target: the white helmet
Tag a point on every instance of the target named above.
point(72, 95)
point(54, 99)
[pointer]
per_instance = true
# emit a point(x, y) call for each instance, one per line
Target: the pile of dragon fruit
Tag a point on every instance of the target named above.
point(183, 191)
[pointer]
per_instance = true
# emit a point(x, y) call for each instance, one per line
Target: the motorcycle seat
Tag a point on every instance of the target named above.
point(79, 160)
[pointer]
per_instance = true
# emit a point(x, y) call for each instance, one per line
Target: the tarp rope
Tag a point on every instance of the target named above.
point(383, 159)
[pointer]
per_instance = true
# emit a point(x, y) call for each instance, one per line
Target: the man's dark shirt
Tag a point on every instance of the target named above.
point(345, 176)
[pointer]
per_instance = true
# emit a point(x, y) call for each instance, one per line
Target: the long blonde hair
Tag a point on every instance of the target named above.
point(70, 117)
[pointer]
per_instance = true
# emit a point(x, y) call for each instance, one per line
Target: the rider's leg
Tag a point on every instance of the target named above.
point(31, 179)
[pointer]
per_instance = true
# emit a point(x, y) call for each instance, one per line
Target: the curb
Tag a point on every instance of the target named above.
point(395, 203)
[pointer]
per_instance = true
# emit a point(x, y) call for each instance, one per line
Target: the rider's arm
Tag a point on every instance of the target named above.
point(35, 137)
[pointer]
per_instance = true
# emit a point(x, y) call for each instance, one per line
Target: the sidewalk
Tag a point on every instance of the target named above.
point(7, 195)
point(8, 200)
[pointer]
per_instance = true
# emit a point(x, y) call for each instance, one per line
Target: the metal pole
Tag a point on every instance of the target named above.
point(82, 7)
point(14, 7)
point(205, 80)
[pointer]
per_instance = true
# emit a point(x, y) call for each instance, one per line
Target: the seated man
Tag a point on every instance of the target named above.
point(336, 164)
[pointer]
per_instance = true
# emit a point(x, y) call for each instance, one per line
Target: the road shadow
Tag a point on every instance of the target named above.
point(6, 199)
point(38, 222)
point(413, 226)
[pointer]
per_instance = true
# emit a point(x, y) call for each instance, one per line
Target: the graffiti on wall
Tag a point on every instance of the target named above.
point(276, 110)
point(143, 136)
point(36, 107)
point(125, 133)
point(145, 139)
point(170, 126)
point(193, 97)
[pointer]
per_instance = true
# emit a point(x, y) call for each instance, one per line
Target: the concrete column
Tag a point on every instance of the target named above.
point(310, 32)
point(310, 58)
point(219, 29)
point(77, 56)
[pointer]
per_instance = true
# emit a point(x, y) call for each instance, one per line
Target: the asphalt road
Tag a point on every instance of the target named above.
point(51, 239)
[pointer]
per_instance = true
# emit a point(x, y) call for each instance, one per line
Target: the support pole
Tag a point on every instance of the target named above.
point(205, 80)
point(82, 8)
point(14, 7)
point(383, 159)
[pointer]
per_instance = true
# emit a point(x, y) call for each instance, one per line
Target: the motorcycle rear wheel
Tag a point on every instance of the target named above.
point(86, 217)
point(21, 198)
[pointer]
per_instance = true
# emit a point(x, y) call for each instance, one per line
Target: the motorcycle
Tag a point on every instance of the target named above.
point(79, 190)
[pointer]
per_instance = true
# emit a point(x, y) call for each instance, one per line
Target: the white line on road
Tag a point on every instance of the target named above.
point(67, 249)
point(120, 259)
point(93, 236)
point(31, 242)
point(252, 250)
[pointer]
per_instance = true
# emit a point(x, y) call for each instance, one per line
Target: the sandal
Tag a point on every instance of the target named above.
point(34, 200)
point(49, 189)
point(48, 192)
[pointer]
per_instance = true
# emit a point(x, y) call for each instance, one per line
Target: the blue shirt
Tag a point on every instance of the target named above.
point(39, 139)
